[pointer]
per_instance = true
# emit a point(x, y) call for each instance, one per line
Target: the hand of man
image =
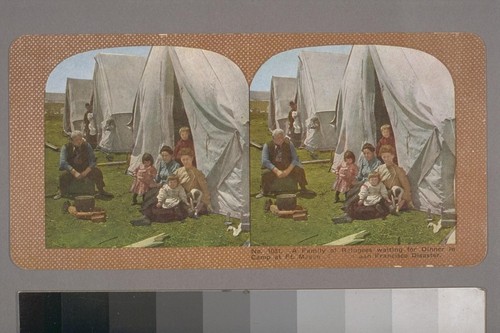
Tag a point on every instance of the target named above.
point(284, 174)
point(76, 174)
point(84, 173)
point(278, 172)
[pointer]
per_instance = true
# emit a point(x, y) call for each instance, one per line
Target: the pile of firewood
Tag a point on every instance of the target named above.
point(96, 215)
point(298, 214)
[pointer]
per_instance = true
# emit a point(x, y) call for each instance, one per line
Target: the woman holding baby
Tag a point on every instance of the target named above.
point(396, 183)
point(191, 195)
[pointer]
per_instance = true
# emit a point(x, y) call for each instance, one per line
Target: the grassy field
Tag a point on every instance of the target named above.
point(62, 230)
point(270, 230)
point(65, 231)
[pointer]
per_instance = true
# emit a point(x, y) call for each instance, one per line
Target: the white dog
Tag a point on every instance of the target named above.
point(397, 194)
point(195, 200)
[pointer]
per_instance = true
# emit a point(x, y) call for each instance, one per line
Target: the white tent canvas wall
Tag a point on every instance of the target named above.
point(208, 93)
point(414, 93)
point(283, 90)
point(78, 93)
point(116, 79)
point(319, 77)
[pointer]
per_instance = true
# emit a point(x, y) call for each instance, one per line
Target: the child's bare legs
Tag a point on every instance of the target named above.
point(134, 199)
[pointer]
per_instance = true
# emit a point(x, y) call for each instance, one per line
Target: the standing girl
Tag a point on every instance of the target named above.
point(346, 175)
point(144, 176)
point(386, 139)
point(184, 142)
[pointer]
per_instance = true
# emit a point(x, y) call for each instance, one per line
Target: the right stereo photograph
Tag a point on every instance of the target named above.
point(352, 144)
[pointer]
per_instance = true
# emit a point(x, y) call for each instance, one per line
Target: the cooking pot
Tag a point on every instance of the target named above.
point(84, 203)
point(286, 201)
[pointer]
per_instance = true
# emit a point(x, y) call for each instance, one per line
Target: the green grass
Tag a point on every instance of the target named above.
point(269, 230)
point(65, 231)
point(62, 230)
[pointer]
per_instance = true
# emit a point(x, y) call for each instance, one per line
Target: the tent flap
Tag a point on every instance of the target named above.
point(213, 99)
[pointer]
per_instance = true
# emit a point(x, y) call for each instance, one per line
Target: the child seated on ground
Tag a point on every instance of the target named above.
point(373, 201)
point(346, 175)
point(373, 193)
point(144, 178)
point(386, 139)
point(170, 206)
point(171, 195)
point(184, 142)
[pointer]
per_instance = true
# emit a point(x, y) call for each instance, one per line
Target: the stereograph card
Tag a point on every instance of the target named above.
point(247, 151)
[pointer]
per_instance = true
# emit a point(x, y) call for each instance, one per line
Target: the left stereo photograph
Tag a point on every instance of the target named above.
point(152, 137)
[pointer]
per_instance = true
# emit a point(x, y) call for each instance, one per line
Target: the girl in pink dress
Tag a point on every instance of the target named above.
point(144, 178)
point(346, 175)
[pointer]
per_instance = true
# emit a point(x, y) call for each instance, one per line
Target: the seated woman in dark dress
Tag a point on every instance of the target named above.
point(166, 168)
point(373, 200)
point(171, 204)
point(369, 162)
point(194, 184)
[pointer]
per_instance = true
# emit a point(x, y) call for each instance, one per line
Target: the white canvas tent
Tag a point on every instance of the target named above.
point(208, 93)
point(116, 79)
point(283, 90)
point(78, 92)
point(413, 91)
point(319, 77)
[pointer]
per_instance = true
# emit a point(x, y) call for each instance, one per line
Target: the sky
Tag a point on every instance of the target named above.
point(81, 66)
